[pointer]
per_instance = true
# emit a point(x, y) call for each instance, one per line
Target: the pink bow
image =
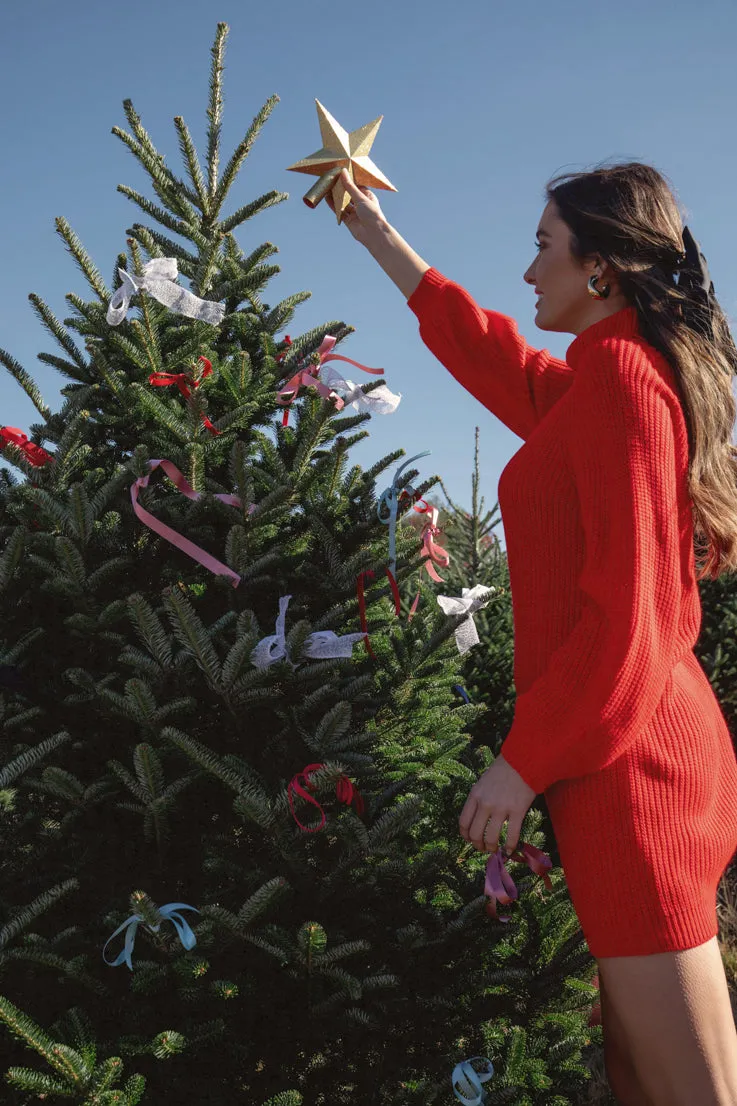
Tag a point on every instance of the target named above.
point(434, 554)
point(308, 378)
point(499, 885)
point(188, 547)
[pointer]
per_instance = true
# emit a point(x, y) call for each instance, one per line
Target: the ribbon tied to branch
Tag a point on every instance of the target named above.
point(194, 551)
point(170, 912)
point(308, 377)
point(184, 383)
point(433, 554)
point(470, 601)
point(320, 645)
point(387, 508)
point(345, 790)
point(467, 1081)
point(379, 401)
point(499, 885)
point(34, 454)
point(158, 279)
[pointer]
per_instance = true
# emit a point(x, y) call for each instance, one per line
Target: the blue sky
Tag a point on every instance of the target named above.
point(482, 103)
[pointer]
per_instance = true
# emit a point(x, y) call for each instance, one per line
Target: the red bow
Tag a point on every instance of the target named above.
point(345, 790)
point(184, 382)
point(35, 455)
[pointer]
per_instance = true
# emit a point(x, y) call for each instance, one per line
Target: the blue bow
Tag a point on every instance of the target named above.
point(186, 936)
point(462, 692)
point(471, 1080)
point(389, 501)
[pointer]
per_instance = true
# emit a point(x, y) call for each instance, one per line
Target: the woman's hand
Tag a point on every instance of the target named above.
point(363, 216)
point(498, 795)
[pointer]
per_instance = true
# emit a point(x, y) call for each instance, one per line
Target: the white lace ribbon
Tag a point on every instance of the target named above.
point(470, 601)
point(379, 401)
point(158, 279)
point(324, 644)
point(273, 648)
point(319, 645)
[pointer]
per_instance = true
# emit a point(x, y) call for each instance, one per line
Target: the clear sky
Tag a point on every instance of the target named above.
point(482, 102)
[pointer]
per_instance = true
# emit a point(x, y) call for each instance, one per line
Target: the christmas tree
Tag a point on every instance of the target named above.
point(232, 759)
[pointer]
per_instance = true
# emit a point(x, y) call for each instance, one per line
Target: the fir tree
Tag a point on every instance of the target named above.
point(145, 759)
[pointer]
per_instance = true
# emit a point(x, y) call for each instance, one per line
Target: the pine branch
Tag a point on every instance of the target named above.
point(219, 192)
point(84, 261)
point(215, 110)
point(59, 331)
point(255, 207)
point(26, 382)
point(189, 154)
point(187, 230)
point(22, 764)
point(35, 909)
point(158, 245)
point(167, 187)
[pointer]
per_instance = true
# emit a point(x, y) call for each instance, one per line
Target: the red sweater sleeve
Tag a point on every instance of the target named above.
point(485, 352)
point(602, 686)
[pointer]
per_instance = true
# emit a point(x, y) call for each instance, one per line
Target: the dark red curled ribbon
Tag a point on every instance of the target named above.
point(345, 790)
point(184, 382)
point(368, 575)
point(35, 454)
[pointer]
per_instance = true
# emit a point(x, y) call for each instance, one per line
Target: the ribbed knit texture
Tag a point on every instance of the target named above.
point(615, 719)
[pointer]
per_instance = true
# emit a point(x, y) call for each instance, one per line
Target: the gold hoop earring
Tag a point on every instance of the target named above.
point(598, 294)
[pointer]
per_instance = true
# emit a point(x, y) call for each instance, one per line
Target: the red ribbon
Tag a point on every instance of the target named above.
point(345, 790)
point(288, 342)
point(35, 454)
point(368, 575)
point(184, 382)
point(499, 885)
point(309, 377)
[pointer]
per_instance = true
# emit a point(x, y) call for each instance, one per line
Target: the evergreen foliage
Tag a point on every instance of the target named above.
point(145, 760)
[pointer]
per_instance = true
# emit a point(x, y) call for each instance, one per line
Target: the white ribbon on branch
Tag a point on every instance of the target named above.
point(158, 279)
point(470, 601)
point(379, 401)
point(320, 645)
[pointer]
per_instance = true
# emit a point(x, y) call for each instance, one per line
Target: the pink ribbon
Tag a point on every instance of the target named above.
point(434, 554)
point(499, 885)
point(308, 378)
point(186, 546)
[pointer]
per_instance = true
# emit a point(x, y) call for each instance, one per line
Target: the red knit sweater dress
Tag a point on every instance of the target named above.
point(615, 719)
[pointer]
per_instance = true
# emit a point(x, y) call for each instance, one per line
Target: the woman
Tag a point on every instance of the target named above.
point(626, 457)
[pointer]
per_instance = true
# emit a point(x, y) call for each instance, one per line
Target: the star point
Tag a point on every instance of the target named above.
point(341, 150)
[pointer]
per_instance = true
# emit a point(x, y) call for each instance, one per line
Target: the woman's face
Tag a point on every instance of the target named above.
point(564, 303)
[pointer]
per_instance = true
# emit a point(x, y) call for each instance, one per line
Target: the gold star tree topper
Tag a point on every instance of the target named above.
point(341, 150)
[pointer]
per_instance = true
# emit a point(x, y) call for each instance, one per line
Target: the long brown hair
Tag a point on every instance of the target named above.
point(628, 214)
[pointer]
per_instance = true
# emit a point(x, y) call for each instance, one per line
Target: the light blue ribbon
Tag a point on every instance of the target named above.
point(186, 936)
point(389, 501)
point(471, 1080)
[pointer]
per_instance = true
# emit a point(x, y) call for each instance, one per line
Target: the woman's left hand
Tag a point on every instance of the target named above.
point(498, 795)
